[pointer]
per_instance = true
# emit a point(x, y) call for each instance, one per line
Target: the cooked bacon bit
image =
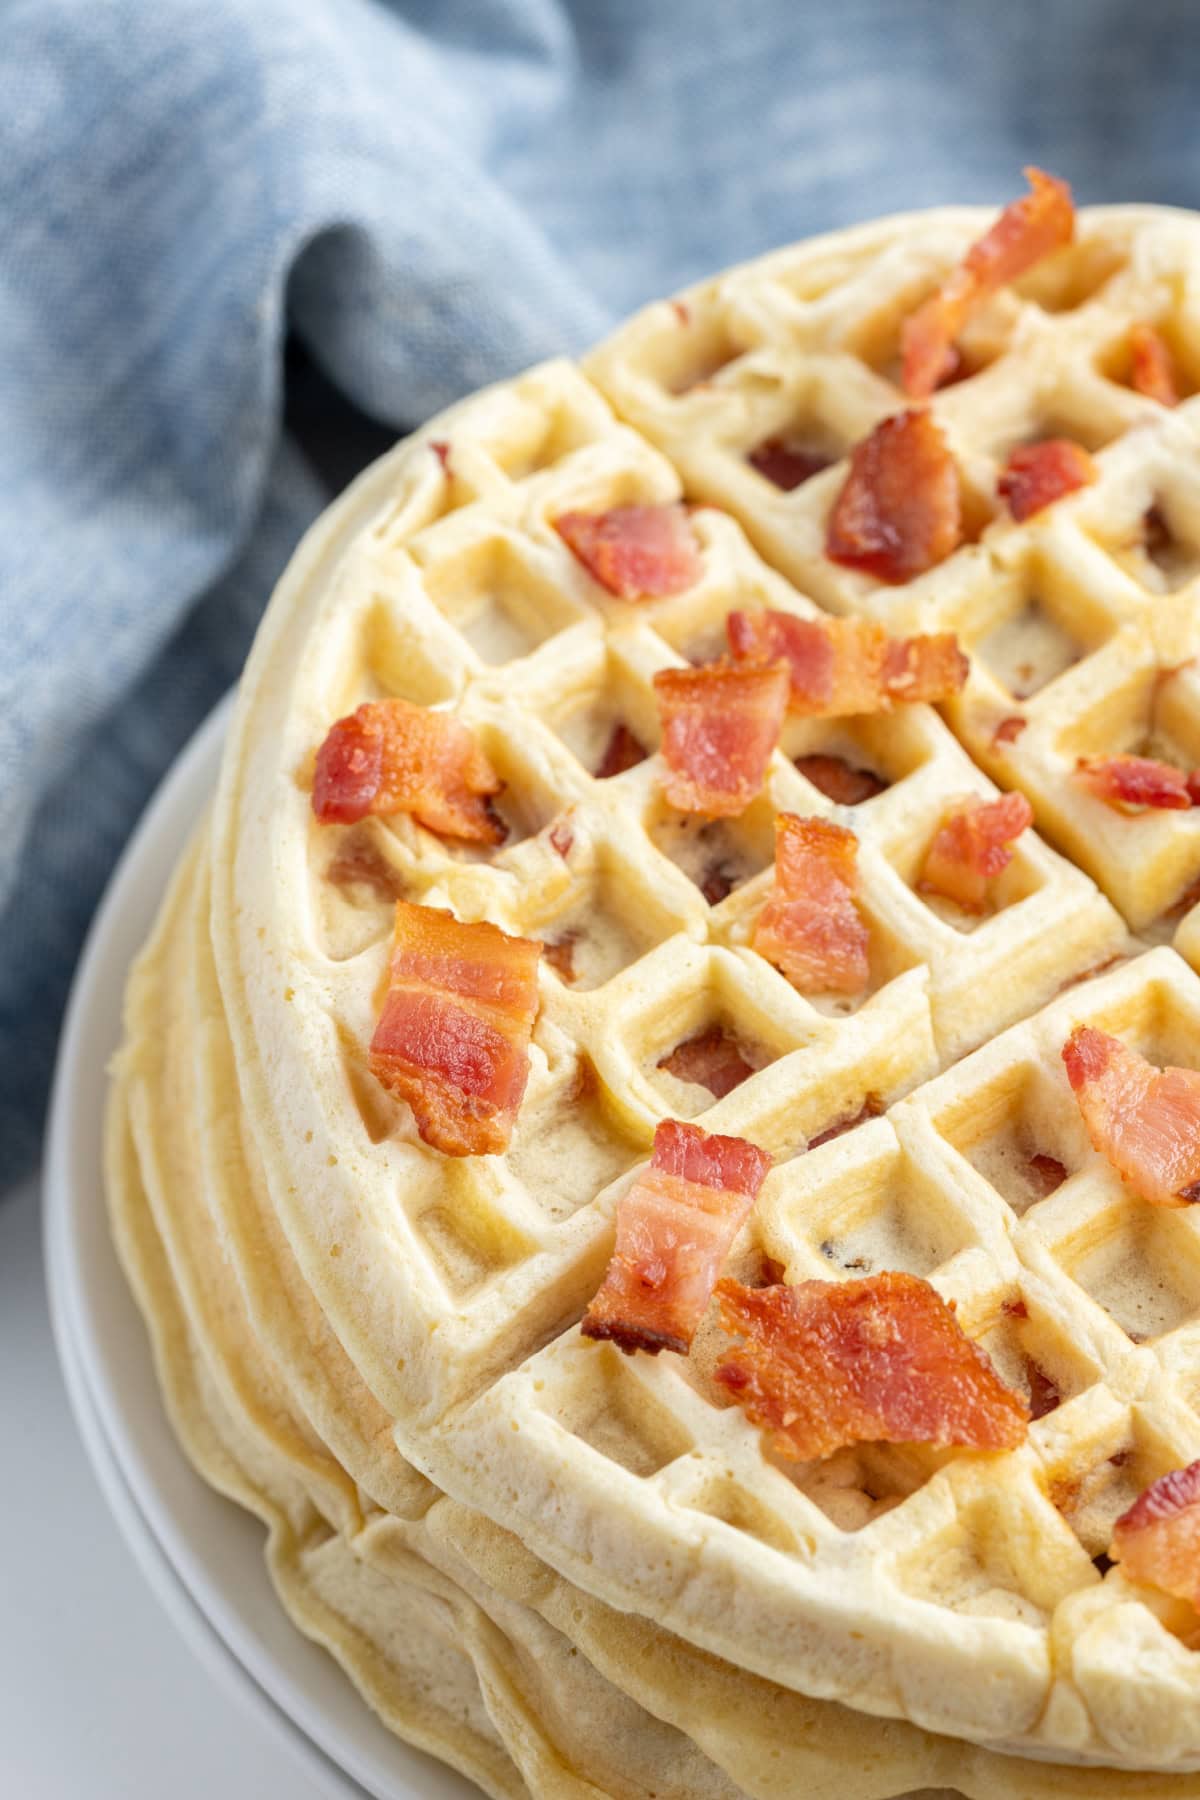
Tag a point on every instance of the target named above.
point(1026, 231)
point(453, 1036)
point(900, 510)
point(719, 727)
point(674, 1229)
point(839, 780)
point(1014, 1309)
point(1009, 730)
point(623, 751)
point(787, 464)
point(1044, 1394)
point(712, 1059)
point(972, 847)
point(871, 1108)
point(1158, 1540)
point(843, 666)
point(681, 311)
point(1146, 1121)
point(442, 452)
point(1047, 1172)
point(636, 552)
point(718, 884)
point(1128, 782)
point(810, 927)
point(359, 864)
point(1153, 368)
point(560, 954)
point(1036, 475)
point(393, 757)
point(879, 1360)
point(562, 837)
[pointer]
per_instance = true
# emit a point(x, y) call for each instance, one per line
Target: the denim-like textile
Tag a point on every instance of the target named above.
point(428, 195)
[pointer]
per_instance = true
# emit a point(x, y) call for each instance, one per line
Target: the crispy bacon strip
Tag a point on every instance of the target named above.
point(674, 1229)
point(1158, 1540)
point(1129, 783)
point(1027, 230)
point(878, 1360)
point(1152, 370)
point(719, 727)
point(971, 847)
point(636, 552)
point(1145, 1121)
point(844, 666)
point(712, 1059)
point(1036, 475)
point(453, 1036)
point(839, 780)
point(623, 751)
point(393, 757)
point(810, 927)
point(787, 464)
point(900, 510)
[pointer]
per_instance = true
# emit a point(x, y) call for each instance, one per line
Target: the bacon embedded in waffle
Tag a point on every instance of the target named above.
point(1158, 1539)
point(453, 1036)
point(972, 847)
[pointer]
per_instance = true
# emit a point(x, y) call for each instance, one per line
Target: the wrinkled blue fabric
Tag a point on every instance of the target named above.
point(428, 195)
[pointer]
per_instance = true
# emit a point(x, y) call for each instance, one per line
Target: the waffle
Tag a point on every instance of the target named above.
point(456, 1635)
point(440, 1299)
point(1078, 622)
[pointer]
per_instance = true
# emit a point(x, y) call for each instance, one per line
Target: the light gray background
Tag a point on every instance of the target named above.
point(100, 1697)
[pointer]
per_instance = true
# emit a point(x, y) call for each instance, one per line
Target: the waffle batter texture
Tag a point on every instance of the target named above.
point(570, 1571)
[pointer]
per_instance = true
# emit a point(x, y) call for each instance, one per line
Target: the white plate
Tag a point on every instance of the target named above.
point(183, 1534)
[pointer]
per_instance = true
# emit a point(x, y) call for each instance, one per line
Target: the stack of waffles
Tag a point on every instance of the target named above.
point(570, 1571)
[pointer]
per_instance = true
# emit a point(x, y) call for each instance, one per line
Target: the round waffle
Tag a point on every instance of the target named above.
point(957, 1591)
point(458, 1637)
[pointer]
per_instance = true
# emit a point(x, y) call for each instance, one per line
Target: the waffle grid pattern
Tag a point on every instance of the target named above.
point(878, 1574)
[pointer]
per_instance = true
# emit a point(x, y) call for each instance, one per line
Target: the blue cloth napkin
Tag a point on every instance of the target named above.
point(428, 196)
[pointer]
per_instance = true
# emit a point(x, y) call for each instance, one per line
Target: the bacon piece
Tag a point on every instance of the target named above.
point(1009, 730)
point(636, 552)
point(871, 1108)
point(1158, 1540)
point(844, 666)
point(442, 451)
point(561, 836)
point(1036, 475)
point(719, 727)
point(393, 757)
point(1145, 1121)
point(810, 927)
point(877, 1360)
point(712, 1059)
point(623, 751)
point(1152, 371)
point(839, 780)
point(1045, 1396)
point(560, 954)
point(971, 848)
point(787, 464)
point(359, 864)
point(1027, 230)
point(1048, 1173)
point(900, 510)
point(453, 1036)
point(674, 1229)
point(1128, 782)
